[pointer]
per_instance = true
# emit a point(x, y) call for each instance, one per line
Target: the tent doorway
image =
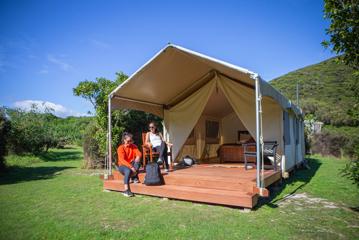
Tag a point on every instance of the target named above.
point(218, 135)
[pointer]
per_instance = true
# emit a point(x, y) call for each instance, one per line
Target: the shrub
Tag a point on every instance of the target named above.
point(31, 132)
point(336, 141)
point(92, 155)
point(4, 130)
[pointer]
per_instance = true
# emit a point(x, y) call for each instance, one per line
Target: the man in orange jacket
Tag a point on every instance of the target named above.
point(128, 162)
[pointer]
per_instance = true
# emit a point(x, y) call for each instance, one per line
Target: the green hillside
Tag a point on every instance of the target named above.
point(323, 91)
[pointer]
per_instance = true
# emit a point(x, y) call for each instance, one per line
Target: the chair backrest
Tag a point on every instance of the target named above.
point(270, 147)
point(144, 138)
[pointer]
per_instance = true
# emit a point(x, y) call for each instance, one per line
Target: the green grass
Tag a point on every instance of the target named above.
point(51, 197)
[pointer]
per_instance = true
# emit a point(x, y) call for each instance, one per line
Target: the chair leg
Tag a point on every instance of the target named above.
point(245, 162)
point(151, 158)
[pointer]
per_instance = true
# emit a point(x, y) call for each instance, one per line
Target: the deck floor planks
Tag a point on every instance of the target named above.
point(209, 183)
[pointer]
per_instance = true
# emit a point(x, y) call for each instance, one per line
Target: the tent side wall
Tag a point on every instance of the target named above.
point(293, 128)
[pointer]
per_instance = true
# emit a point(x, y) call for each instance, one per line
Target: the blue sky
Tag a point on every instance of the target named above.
point(48, 47)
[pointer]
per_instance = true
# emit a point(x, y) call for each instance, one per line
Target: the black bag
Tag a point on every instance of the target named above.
point(153, 175)
point(188, 161)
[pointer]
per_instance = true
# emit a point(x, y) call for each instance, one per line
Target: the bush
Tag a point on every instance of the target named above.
point(31, 132)
point(336, 141)
point(4, 130)
point(92, 155)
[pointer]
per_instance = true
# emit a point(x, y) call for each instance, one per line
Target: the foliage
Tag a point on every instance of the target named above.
point(351, 171)
point(344, 39)
point(323, 91)
point(75, 207)
point(92, 158)
point(35, 132)
point(336, 141)
point(343, 29)
point(4, 130)
point(31, 132)
point(126, 120)
point(70, 130)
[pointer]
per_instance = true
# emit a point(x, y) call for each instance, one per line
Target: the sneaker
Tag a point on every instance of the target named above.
point(167, 171)
point(128, 193)
point(159, 161)
point(135, 180)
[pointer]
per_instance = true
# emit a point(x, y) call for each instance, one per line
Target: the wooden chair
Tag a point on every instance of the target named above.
point(269, 150)
point(148, 153)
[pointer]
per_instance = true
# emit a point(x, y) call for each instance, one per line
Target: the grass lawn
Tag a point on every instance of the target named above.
point(51, 197)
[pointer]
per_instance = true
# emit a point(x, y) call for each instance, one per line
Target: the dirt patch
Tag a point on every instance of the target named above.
point(302, 200)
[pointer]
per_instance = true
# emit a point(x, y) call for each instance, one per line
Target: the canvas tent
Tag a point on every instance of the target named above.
point(185, 87)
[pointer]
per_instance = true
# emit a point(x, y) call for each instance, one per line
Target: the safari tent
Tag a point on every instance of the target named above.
point(206, 103)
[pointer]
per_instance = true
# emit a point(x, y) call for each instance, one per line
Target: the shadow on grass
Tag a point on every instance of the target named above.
point(302, 175)
point(16, 174)
point(60, 156)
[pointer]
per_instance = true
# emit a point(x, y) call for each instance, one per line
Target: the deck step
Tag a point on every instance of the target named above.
point(213, 196)
point(212, 182)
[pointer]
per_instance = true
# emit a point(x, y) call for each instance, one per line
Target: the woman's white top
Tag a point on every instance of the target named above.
point(155, 139)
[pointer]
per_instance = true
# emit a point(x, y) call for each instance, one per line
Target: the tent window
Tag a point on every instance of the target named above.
point(286, 128)
point(212, 132)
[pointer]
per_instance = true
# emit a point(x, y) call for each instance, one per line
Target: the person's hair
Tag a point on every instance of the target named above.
point(126, 135)
point(155, 124)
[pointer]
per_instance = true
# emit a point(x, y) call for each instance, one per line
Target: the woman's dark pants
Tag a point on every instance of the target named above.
point(163, 153)
point(127, 172)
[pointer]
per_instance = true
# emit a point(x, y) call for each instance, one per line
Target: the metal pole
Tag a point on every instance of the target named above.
point(258, 145)
point(109, 129)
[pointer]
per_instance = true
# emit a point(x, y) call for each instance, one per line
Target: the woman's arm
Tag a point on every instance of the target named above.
point(168, 143)
point(147, 140)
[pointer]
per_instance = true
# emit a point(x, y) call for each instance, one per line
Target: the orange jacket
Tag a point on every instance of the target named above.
point(126, 154)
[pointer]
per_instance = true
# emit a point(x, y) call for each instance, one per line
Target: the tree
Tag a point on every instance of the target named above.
point(132, 121)
point(343, 29)
point(344, 39)
point(31, 132)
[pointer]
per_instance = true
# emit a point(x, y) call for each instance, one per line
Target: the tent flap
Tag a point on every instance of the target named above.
point(181, 118)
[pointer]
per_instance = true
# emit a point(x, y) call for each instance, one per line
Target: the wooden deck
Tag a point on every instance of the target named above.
point(224, 184)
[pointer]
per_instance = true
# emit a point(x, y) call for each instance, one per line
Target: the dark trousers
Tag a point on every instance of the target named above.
point(163, 153)
point(127, 172)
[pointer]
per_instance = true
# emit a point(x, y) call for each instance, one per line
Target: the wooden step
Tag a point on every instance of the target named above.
point(213, 182)
point(205, 195)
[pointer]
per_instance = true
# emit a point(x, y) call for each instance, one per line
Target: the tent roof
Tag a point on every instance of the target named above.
point(176, 72)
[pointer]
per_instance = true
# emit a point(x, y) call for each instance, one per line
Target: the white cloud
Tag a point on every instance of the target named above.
point(59, 62)
point(42, 106)
point(100, 44)
point(44, 70)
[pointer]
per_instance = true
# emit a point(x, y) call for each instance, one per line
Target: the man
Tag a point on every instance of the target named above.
point(128, 162)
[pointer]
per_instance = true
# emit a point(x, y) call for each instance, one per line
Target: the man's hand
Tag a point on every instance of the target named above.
point(133, 170)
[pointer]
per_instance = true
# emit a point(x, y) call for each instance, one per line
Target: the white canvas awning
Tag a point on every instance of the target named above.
point(174, 73)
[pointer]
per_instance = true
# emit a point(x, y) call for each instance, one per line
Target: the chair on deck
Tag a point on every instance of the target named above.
point(148, 154)
point(269, 150)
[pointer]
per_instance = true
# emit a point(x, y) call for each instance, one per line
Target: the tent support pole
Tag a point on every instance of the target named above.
point(109, 134)
point(258, 144)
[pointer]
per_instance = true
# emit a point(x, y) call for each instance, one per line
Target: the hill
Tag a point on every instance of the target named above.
point(323, 91)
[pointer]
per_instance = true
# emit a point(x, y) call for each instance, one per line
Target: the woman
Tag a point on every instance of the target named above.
point(154, 140)
point(128, 162)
